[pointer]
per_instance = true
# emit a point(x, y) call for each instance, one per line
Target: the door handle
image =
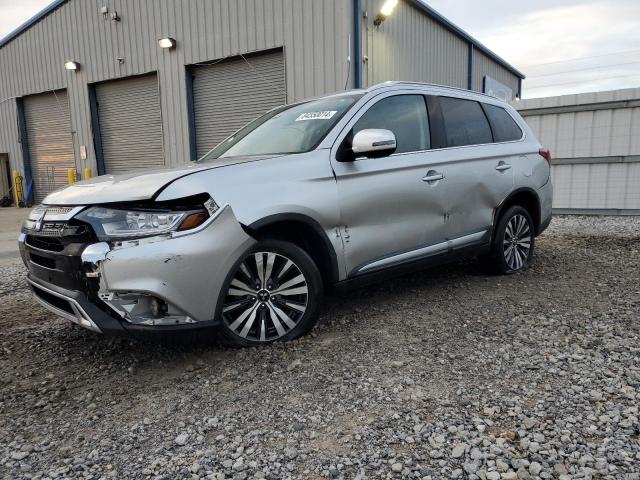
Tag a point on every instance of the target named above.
point(503, 166)
point(432, 176)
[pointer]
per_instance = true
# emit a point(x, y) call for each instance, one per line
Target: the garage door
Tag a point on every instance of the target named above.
point(229, 94)
point(130, 124)
point(50, 142)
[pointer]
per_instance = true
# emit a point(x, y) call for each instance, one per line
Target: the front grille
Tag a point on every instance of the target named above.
point(59, 303)
point(54, 229)
point(56, 259)
point(67, 233)
point(42, 261)
point(45, 243)
point(58, 210)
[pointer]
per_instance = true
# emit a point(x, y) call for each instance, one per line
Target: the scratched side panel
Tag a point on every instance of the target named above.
point(302, 184)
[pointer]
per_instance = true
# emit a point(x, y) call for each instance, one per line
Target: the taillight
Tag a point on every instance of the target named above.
point(546, 154)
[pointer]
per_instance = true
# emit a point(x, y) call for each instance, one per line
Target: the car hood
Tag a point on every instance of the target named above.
point(135, 185)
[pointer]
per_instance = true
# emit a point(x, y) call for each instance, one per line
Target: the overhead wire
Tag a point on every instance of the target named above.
point(585, 69)
point(584, 80)
point(580, 58)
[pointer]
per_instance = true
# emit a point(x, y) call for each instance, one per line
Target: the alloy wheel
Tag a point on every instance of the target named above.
point(267, 297)
point(517, 242)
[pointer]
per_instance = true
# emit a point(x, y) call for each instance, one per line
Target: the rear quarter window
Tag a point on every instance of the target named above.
point(504, 127)
point(464, 122)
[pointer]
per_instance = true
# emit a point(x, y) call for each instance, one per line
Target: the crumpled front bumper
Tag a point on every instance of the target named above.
point(187, 271)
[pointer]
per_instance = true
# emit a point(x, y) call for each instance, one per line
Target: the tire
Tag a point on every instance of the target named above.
point(281, 304)
point(513, 242)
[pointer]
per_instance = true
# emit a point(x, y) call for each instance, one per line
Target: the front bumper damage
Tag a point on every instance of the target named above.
point(162, 284)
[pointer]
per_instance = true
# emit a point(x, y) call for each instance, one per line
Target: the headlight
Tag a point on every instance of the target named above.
point(113, 223)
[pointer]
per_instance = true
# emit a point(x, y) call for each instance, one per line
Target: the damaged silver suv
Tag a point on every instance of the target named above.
point(312, 197)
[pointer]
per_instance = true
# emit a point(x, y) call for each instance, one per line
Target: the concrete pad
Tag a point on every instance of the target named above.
point(10, 222)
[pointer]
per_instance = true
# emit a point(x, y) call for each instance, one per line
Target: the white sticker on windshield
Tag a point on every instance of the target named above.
point(326, 115)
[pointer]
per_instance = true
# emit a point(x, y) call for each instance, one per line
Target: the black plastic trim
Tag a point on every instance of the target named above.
point(486, 238)
point(436, 123)
point(299, 217)
point(500, 208)
point(412, 266)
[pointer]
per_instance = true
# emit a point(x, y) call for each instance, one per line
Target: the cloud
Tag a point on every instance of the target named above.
point(14, 13)
point(544, 39)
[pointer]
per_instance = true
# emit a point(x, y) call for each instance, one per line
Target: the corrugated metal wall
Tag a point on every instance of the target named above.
point(595, 141)
point(9, 132)
point(130, 124)
point(217, 111)
point(411, 46)
point(314, 34)
point(483, 65)
point(50, 140)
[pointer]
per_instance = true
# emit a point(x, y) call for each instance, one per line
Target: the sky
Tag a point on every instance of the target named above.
point(562, 46)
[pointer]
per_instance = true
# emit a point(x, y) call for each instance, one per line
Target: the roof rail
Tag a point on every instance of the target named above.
point(392, 83)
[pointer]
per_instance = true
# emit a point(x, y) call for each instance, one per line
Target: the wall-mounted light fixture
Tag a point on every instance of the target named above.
point(167, 42)
point(71, 65)
point(385, 11)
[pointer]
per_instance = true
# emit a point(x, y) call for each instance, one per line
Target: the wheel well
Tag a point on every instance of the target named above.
point(308, 237)
point(527, 200)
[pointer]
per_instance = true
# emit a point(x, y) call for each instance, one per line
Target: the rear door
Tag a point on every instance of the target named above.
point(480, 173)
point(389, 215)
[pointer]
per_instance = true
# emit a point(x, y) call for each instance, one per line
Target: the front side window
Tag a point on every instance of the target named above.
point(504, 127)
point(405, 116)
point(464, 122)
point(289, 129)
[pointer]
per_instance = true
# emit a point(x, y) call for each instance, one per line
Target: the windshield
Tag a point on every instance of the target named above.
point(289, 129)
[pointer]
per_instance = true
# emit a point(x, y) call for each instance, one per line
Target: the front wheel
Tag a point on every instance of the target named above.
point(273, 293)
point(512, 248)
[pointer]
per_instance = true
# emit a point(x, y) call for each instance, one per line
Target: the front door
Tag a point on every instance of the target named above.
point(389, 214)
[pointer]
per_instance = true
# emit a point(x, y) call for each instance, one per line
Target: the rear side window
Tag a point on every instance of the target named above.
point(405, 116)
point(464, 122)
point(504, 127)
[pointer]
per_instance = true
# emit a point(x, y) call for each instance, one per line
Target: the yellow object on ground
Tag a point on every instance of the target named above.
point(71, 175)
point(17, 187)
point(87, 173)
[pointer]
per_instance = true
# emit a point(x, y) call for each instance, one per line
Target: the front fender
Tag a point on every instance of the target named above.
point(187, 271)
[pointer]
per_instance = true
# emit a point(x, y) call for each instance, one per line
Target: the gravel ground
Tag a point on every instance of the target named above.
point(444, 374)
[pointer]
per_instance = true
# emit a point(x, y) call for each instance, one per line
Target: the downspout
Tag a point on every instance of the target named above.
point(26, 154)
point(519, 88)
point(357, 44)
point(470, 67)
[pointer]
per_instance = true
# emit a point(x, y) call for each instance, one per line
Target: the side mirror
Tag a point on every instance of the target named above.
point(373, 143)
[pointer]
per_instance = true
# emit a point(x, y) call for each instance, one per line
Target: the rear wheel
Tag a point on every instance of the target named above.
point(513, 242)
point(273, 294)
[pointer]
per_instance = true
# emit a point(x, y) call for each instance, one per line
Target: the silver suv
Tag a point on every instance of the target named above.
point(315, 196)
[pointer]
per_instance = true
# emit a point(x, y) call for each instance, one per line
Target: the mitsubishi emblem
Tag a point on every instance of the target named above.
point(40, 220)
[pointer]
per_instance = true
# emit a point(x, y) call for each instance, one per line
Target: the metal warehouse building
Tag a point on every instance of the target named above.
point(595, 141)
point(89, 84)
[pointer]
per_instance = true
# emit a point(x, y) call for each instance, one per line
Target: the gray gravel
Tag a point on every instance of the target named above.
point(444, 374)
